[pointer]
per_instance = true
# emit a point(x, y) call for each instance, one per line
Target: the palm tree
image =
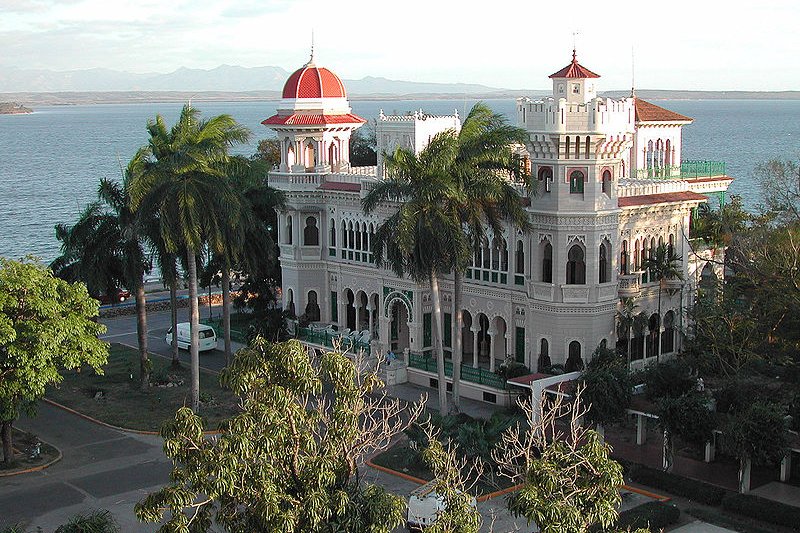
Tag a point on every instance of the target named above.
point(663, 264)
point(104, 248)
point(629, 321)
point(180, 181)
point(484, 169)
point(422, 239)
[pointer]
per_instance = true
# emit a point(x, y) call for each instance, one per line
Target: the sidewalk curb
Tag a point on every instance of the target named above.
point(35, 468)
point(98, 422)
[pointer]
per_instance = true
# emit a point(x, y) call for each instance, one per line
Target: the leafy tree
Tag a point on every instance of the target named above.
point(269, 152)
point(758, 435)
point(663, 265)
point(780, 182)
point(569, 482)
point(688, 417)
point(288, 462)
point(180, 180)
point(606, 386)
point(422, 239)
point(628, 322)
point(46, 326)
point(363, 147)
point(670, 379)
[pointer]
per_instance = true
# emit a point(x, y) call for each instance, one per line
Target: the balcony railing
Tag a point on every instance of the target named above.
point(331, 340)
point(481, 376)
point(686, 170)
point(629, 285)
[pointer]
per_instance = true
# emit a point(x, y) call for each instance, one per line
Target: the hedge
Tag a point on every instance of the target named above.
point(693, 489)
point(762, 509)
point(654, 515)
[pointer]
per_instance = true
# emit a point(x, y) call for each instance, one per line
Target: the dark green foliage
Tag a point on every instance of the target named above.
point(794, 412)
point(268, 151)
point(654, 515)
point(512, 369)
point(607, 387)
point(99, 521)
point(687, 417)
point(692, 489)
point(735, 396)
point(669, 379)
point(363, 147)
point(16, 528)
point(762, 509)
point(757, 433)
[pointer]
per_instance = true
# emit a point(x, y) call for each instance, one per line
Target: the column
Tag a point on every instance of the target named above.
point(491, 334)
point(786, 466)
point(641, 429)
point(342, 304)
point(371, 320)
point(475, 347)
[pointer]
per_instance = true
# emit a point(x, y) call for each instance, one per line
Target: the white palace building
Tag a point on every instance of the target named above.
point(611, 188)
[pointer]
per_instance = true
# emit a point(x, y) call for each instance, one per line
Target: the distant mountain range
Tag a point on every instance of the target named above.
point(229, 83)
point(225, 78)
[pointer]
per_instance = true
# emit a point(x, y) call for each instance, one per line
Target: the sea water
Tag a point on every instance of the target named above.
point(52, 160)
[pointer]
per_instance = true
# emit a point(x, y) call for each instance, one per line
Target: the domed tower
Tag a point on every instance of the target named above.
point(314, 122)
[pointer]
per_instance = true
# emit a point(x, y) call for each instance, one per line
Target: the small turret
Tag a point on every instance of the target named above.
point(575, 83)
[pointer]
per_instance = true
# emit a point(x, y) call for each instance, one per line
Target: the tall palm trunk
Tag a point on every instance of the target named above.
point(173, 307)
point(194, 322)
point(437, 317)
point(226, 312)
point(141, 334)
point(8, 445)
point(458, 348)
point(657, 340)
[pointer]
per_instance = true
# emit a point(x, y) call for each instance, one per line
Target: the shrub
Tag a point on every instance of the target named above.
point(693, 489)
point(512, 369)
point(762, 509)
point(99, 521)
point(736, 395)
point(654, 515)
point(668, 380)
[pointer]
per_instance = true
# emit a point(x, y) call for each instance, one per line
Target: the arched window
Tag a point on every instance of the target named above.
point(668, 154)
point(637, 257)
point(671, 245)
point(623, 258)
point(668, 335)
point(577, 147)
point(520, 259)
point(607, 181)
point(545, 173)
point(332, 242)
point(547, 263)
point(576, 266)
point(487, 257)
point(312, 307)
point(586, 148)
point(503, 255)
point(653, 327)
point(290, 302)
point(566, 150)
point(351, 236)
point(604, 266)
point(576, 179)
point(290, 158)
point(311, 158)
point(288, 239)
point(311, 232)
point(574, 361)
point(332, 154)
point(649, 155)
point(544, 363)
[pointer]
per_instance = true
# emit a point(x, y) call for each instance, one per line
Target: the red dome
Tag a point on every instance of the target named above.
point(312, 81)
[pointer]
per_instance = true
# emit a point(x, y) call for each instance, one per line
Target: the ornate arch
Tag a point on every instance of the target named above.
point(390, 298)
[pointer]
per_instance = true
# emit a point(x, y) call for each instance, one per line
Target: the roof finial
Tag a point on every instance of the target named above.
point(311, 59)
point(574, 39)
point(633, 72)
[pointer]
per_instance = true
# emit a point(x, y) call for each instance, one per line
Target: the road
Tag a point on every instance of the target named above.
point(103, 468)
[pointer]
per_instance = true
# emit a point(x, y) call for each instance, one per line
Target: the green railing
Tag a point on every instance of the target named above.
point(480, 376)
point(237, 335)
point(324, 338)
point(687, 169)
point(697, 169)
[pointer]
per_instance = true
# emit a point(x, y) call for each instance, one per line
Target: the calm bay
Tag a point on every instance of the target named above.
point(51, 160)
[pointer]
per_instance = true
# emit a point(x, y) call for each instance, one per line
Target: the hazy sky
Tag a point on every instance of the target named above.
point(679, 44)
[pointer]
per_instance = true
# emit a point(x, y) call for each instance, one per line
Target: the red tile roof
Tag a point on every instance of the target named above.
point(647, 112)
point(301, 119)
point(311, 81)
point(528, 378)
point(574, 70)
point(337, 186)
point(662, 198)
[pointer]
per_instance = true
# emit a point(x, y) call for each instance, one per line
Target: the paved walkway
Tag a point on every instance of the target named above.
point(101, 468)
point(780, 492)
point(701, 527)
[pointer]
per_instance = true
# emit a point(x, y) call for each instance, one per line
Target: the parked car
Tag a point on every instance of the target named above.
point(118, 295)
point(208, 337)
point(423, 506)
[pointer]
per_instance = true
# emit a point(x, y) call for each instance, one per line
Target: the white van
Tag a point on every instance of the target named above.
point(423, 506)
point(208, 338)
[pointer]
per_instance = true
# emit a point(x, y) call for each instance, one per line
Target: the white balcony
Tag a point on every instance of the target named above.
point(575, 294)
point(629, 285)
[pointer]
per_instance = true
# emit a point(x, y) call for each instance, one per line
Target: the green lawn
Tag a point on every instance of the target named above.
point(123, 404)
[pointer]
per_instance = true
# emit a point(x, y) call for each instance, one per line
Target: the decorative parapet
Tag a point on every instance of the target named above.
point(628, 285)
point(574, 294)
point(541, 291)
